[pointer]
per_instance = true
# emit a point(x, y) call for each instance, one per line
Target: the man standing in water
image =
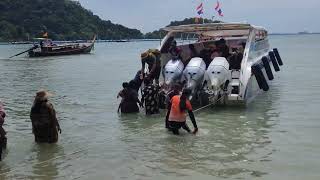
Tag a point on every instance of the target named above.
point(177, 114)
point(45, 125)
point(175, 90)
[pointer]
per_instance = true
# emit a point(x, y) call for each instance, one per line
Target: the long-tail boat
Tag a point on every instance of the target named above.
point(47, 48)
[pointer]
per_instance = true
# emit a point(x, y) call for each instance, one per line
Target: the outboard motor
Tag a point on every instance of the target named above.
point(193, 74)
point(173, 72)
point(218, 75)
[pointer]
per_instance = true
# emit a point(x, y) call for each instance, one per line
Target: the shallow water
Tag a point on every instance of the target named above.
point(274, 137)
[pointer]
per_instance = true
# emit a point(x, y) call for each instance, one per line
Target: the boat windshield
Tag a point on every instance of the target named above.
point(259, 44)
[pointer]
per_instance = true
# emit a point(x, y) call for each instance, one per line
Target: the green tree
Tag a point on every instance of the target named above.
point(62, 19)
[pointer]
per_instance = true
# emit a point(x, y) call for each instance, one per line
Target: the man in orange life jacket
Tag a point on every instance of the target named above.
point(175, 90)
point(177, 114)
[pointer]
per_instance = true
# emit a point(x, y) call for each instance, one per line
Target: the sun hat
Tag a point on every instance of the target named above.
point(144, 55)
point(43, 95)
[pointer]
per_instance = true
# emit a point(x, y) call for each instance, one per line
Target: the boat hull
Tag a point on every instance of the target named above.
point(252, 89)
point(61, 52)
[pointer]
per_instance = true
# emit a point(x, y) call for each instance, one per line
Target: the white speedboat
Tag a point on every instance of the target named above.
point(239, 77)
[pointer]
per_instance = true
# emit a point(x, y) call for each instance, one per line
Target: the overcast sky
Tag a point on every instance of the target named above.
point(148, 15)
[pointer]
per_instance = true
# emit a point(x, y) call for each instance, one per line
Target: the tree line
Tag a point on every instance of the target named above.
point(22, 20)
point(62, 19)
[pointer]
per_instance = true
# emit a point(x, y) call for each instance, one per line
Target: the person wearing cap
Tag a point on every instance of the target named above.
point(45, 125)
point(177, 115)
point(152, 58)
point(3, 138)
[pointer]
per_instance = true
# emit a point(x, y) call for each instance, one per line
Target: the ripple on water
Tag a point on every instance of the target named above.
point(96, 143)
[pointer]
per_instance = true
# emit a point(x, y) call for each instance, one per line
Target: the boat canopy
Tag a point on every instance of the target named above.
point(216, 29)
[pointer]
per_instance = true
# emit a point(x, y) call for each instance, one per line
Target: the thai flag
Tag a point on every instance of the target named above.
point(200, 9)
point(217, 6)
point(220, 13)
point(218, 9)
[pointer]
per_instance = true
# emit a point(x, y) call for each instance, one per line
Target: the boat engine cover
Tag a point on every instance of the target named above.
point(173, 71)
point(194, 72)
point(217, 73)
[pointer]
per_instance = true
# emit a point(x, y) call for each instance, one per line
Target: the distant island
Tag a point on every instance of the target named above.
point(298, 33)
point(21, 20)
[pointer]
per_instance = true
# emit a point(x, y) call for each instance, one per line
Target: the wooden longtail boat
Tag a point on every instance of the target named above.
point(47, 48)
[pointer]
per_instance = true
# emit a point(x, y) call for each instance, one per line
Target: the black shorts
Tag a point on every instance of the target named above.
point(175, 126)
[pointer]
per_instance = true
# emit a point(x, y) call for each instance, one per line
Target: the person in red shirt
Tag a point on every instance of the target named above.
point(177, 115)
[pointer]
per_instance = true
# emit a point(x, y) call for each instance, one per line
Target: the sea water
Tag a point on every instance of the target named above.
point(274, 137)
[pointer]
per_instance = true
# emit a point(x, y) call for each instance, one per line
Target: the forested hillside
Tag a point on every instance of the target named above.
point(62, 19)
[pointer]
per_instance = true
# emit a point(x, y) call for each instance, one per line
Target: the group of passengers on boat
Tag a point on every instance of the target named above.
point(221, 49)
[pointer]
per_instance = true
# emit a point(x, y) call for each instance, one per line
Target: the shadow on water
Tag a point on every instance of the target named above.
point(46, 168)
point(230, 142)
point(134, 123)
point(42, 163)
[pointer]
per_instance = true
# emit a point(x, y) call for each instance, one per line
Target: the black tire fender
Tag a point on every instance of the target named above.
point(267, 67)
point(274, 61)
point(262, 82)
